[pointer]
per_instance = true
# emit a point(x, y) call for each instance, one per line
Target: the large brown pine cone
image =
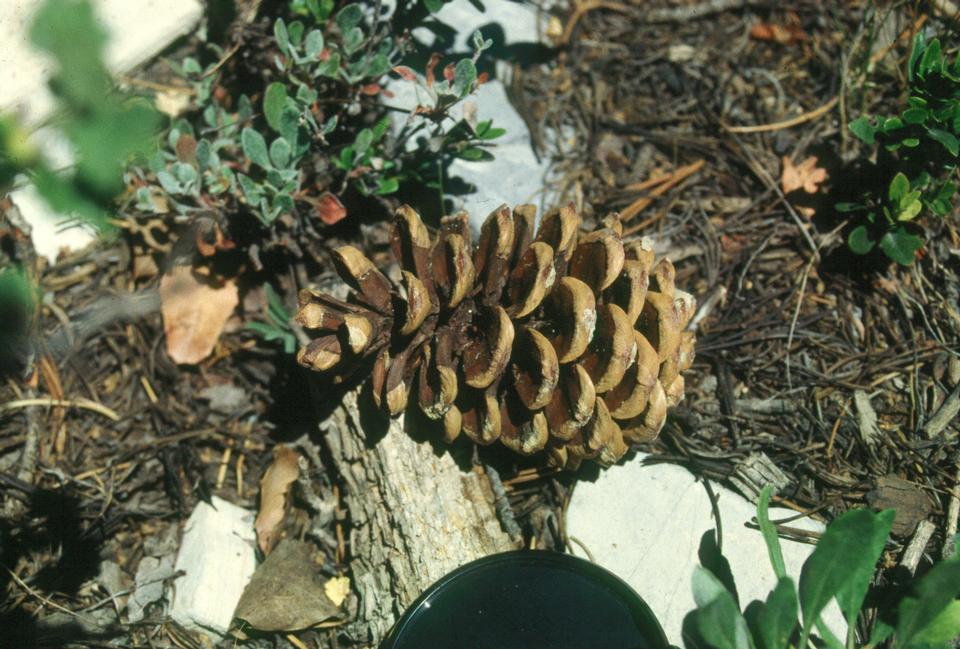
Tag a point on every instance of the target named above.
point(556, 341)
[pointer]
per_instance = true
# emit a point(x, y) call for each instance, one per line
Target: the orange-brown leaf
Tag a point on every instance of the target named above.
point(806, 176)
point(275, 488)
point(194, 311)
point(330, 209)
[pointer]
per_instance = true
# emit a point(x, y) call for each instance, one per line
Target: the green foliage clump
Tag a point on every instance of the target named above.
point(311, 129)
point(919, 150)
point(104, 128)
point(925, 615)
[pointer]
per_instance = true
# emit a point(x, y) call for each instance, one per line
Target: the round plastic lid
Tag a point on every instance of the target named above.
point(528, 599)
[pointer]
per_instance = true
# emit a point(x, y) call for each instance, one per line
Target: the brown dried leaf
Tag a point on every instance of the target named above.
point(806, 176)
point(287, 593)
point(330, 209)
point(783, 34)
point(194, 313)
point(274, 491)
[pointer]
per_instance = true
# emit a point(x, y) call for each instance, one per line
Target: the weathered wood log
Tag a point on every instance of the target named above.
point(415, 515)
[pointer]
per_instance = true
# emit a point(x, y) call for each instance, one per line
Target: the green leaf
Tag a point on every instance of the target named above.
point(716, 617)
point(313, 45)
point(915, 55)
point(379, 66)
point(464, 75)
point(899, 186)
point(280, 152)
point(475, 154)
point(849, 207)
point(387, 186)
point(915, 115)
point(493, 134)
point(931, 596)
point(204, 155)
point(363, 142)
point(948, 140)
point(838, 564)
point(863, 129)
point(900, 245)
point(910, 210)
point(255, 147)
point(349, 17)
point(911, 142)
point(776, 620)
point(276, 310)
point(295, 30)
point(433, 6)
point(769, 533)
point(941, 629)
point(352, 40)
point(252, 192)
point(282, 37)
point(69, 30)
point(274, 99)
point(892, 124)
point(63, 196)
point(869, 548)
point(931, 61)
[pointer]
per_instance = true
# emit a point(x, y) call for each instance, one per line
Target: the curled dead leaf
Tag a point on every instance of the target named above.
point(330, 209)
point(194, 311)
point(274, 496)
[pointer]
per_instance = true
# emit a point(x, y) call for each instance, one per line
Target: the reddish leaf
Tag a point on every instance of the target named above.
point(330, 209)
point(370, 89)
point(405, 72)
point(482, 78)
point(449, 72)
point(431, 65)
point(194, 311)
point(220, 242)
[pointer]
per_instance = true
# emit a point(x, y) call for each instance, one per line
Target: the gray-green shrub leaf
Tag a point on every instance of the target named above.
point(464, 74)
point(255, 147)
point(280, 152)
point(274, 100)
point(313, 45)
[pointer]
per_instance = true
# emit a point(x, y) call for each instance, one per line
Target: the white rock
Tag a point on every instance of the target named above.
point(217, 555)
point(515, 176)
point(644, 523)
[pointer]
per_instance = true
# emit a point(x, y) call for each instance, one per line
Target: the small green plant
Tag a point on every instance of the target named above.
point(277, 323)
point(314, 135)
point(917, 159)
point(925, 615)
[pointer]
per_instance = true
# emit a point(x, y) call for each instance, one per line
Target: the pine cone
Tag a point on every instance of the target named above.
point(573, 345)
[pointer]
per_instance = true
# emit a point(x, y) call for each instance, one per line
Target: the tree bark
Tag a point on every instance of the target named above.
point(415, 515)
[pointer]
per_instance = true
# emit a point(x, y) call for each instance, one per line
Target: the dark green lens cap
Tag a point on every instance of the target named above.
point(528, 600)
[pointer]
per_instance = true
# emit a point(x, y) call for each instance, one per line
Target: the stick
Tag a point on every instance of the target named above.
point(788, 123)
point(914, 552)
